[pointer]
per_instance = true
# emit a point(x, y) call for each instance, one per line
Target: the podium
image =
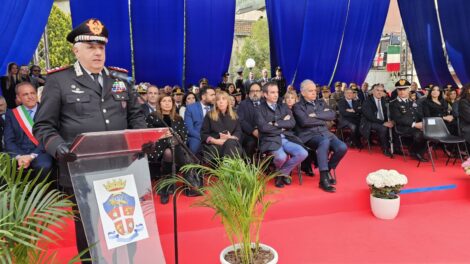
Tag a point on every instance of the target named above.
point(111, 181)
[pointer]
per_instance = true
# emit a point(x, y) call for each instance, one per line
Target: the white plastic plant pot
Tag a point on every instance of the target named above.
point(237, 246)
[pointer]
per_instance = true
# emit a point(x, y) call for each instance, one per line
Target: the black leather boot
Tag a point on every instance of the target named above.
point(324, 182)
point(332, 177)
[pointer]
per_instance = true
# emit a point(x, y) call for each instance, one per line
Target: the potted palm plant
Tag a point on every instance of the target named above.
point(385, 185)
point(236, 190)
point(28, 208)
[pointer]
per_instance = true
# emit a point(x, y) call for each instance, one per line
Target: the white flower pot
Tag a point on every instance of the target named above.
point(386, 209)
point(237, 246)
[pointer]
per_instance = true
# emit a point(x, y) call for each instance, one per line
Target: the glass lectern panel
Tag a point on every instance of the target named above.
point(115, 198)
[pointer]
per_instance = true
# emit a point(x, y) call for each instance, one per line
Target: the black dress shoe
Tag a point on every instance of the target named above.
point(279, 183)
point(287, 180)
point(308, 172)
point(421, 158)
point(387, 153)
point(164, 198)
point(331, 179)
point(191, 193)
point(324, 182)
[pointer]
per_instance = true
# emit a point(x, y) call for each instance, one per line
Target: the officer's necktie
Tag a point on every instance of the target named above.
point(380, 111)
point(96, 77)
point(30, 113)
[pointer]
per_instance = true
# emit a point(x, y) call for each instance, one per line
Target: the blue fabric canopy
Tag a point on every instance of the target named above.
point(455, 22)
point(325, 22)
point(422, 30)
point(158, 32)
point(286, 21)
point(115, 16)
point(22, 23)
point(364, 28)
point(209, 39)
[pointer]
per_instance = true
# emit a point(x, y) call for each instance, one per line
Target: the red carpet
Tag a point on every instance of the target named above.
point(307, 225)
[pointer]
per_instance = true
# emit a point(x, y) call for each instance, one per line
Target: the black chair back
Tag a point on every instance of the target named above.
point(434, 127)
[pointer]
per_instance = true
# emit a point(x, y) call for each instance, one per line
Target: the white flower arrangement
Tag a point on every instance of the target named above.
point(386, 183)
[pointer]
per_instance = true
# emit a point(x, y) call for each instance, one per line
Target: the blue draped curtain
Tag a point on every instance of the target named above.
point(22, 23)
point(209, 38)
point(115, 16)
point(158, 32)
point(455, 22)
point(422, 30)
point(364, 28)
point(286, 21)
point(325, 21)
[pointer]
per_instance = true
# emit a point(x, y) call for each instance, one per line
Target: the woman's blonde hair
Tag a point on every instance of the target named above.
point(291, 93)
point(214, 114)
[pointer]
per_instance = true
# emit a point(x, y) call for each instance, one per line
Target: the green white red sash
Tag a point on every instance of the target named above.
point(26, 122)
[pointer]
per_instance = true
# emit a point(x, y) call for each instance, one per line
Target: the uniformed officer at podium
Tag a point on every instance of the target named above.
point(83, 98)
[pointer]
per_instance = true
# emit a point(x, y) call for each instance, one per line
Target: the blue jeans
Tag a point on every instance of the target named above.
point(322, 144)
point(296, 152)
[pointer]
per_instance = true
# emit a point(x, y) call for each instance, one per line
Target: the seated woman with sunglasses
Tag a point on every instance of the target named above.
point(221, 131)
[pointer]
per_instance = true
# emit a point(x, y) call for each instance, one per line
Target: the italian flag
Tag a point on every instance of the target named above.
point(393, 58)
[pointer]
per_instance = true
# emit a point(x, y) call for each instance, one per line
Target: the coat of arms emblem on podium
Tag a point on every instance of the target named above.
point(120, 211)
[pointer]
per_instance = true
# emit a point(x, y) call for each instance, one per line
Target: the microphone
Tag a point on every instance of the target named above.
point(121, 76)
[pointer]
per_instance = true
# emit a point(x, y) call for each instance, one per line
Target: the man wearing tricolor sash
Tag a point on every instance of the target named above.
point(20, 142)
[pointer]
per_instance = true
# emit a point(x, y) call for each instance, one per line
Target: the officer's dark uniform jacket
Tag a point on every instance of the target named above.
point(270, 135)
point(404, 114)
point(73, 103)
point(308, 126)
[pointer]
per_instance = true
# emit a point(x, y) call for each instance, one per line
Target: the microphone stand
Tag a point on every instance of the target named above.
point(390, 132)
point(176, 137)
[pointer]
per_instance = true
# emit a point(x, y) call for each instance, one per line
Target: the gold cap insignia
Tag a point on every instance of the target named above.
point(95, 26)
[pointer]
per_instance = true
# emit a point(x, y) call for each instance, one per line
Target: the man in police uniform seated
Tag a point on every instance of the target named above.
point(19, 140)
point(275, 124)
point(350, 115)
point(312, 116)
point(408, 120)
point(83, 98)
point(374, 117)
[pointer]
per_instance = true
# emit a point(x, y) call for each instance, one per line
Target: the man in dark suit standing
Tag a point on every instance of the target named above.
point(248, 82)
point(194, 116)
point(3, 109)
point(350, 116)
point(408, 120)
point(374, 117)
point(84, 98)
point(280, 81)
point(264, 77)
point(312, 116)
point(275, 123)
point(19, 140)
point(363, 93)
point(247, 115)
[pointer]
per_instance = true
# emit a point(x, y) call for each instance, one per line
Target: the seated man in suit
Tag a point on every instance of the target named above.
point(19, 140)
point(194, 116)
point(247, 115)
point(312, 116)
point(275, 123)
point(374, 117)
point(151, 105)
point(3, 109)
point(408, 119)
point(350, 116)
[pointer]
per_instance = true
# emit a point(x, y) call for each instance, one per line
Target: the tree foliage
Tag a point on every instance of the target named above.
point(256, 47)
point(60, 51)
